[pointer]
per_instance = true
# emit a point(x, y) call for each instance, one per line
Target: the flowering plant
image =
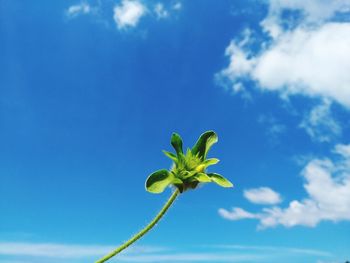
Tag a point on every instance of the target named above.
point(188, 170)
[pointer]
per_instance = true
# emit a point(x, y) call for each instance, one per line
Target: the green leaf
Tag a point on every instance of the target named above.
point(171, 156)
point(203, 178)
point(204, 143)
point(210, 161)
point(176, 142)
point(220, 180)
point(158, 181)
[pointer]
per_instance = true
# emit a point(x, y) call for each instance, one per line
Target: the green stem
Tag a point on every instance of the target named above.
point(144, 230)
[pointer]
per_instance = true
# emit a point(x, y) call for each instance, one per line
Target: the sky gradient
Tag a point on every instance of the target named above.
point(91, 91)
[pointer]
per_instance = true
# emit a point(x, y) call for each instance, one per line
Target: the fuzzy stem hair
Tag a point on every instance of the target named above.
point(144, 230)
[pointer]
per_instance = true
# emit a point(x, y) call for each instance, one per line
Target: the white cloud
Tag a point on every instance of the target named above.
point(62, 252)
point(327, 184)
point(177, 6)
point(237, 214)
point(55, 250)
point(262, 195)
point(274, 249)
point(160, 11)
point(311, 12)
point(240, 64)
point(240, 61)
point(128, 13)
point(79, 9)
point(51, 250)
point(311, 62)
point(343, 150)
point(272, 126)
point(192, 257)
point(320, 125)
point(238, 88)
point(310, 56)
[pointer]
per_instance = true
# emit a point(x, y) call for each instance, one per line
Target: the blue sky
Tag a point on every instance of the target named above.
point(90, 92)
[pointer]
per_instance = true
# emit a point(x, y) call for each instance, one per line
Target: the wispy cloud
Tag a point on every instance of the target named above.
point(285, 250)
point(160, 11)
point(177, 6)
point(51, 252)
point(193, 257)
point(63, 250)
point(310, 13)
point(127, 14)
point(237, 213)
point(273, 128)
point(78, 9)
point(320, 125)
point(327, 184)
point(57, 253)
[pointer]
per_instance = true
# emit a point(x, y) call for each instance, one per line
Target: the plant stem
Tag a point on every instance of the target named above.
point(144, 230)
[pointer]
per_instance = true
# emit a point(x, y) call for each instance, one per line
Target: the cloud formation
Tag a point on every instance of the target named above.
point(262, 195)
point(320, 125)
point(54, 250)
point(128, 13)
point(307, 13)
point(160, 11)
point(51, 252)
point(273, 128)
point(309, 56)
point(327, 184)
point(79, 9)
point(177, 5)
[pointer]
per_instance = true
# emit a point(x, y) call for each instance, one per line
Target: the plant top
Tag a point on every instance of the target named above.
point(188, 169)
